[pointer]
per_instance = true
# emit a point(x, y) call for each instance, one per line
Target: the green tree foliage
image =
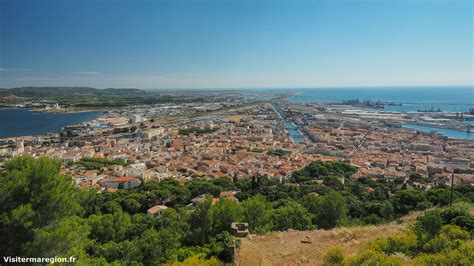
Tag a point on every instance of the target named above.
point(328, 210)
point(110, 207)
point(224, 183)
point(428, 226)
point(131, 205)
point(201, 223)
point(158, 246)
point(222, 247)
point(329, 171)
point(408, 200)
point(209, 220)
point(168, 192)
point(43, 214)
point(458, 215)
point(68, 238)
point(441, 196)
point(198, 187)
point(198, 131)
point(258, 213)
point(292, 216)
point(109, 227)
point(224, 213)
point(33, 194)
point(97, 163)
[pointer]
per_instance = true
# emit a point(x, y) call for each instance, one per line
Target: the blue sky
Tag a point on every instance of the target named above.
point(235, 44)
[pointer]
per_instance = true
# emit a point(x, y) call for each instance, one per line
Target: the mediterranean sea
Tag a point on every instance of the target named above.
point(446, 99)
point(23, 122)
point(411, 99)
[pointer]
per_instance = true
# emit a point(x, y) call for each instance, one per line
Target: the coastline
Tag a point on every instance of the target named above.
point(54, 111)
point(32, 122)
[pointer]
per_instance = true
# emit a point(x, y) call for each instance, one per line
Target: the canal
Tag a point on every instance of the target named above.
point(291, 128)
point(294, 133)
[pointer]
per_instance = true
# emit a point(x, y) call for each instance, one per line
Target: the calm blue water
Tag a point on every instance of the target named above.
point(23, 122)
point(294, 133)
point(445, 132)
point(448, 99)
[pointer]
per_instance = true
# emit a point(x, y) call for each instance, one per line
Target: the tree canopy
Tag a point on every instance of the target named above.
point(43, 214)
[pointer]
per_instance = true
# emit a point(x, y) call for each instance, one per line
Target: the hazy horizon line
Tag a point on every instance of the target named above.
point(265, 88)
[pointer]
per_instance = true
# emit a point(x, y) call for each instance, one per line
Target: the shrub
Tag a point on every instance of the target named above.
point(196, 260)
point(453, 232)
point(428, 225)
point(434, 239)
point(436, 244)
point(404, 243)
point(334, 256)
point(463, 255)
point(464, 221)
point(372, 257)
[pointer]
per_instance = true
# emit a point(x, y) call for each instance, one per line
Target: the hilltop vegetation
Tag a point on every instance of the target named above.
point(89, 97)
point(51, 92)
point(43, 214)
point(439, 237)
point(387, 244)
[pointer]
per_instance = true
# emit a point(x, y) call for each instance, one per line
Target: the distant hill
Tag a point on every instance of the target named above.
point(123, 91)
point(65, 91)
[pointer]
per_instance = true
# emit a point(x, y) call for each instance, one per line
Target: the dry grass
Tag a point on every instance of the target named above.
point(285, 248)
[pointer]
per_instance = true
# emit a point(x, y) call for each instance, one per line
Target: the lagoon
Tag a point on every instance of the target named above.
point(24, 122)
